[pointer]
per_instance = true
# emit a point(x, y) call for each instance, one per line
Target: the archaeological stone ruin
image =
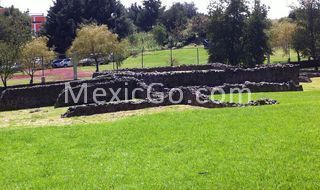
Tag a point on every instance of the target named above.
point(196, 82)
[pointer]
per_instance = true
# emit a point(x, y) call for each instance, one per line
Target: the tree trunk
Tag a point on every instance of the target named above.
point(299, 57)
point(31, 79)
point(4, 83)
point(97, 64)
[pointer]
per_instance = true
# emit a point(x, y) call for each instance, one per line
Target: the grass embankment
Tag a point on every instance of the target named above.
point(271, 147)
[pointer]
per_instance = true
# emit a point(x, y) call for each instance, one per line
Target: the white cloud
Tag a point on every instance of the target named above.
point(279, 8)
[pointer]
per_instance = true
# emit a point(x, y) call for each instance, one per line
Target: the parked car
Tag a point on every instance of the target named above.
point(206, 44)
point(91, 61)
point(86, 62)
point(59, 63)
point(17, 67)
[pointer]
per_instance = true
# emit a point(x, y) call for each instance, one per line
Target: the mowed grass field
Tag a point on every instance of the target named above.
point(271, 147)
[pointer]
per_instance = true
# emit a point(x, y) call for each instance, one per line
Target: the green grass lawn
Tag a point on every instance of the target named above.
point(279, 57)
point(184, 56)
point(271, 147)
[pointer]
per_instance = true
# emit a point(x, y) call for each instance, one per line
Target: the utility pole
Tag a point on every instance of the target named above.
point(75, 65)
point(171, 54)
point(198, 58)
point(142, 53)
point(43, 78)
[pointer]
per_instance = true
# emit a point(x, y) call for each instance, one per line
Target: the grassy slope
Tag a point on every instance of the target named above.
point(257, 147)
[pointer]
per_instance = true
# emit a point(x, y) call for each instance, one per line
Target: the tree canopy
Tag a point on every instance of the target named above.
point(10, 40)
point(96, 42)
point(237, 36)
point(145, 17)
point(307, 17)
point(34, 55)
point(66, 16)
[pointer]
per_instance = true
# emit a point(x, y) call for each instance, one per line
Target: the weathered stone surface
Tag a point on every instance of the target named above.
point(216, 66)
point(251, 86)
point(36, 96)
point(304, 79)
point(310, 74)
point(262, 102)
point(190, 97)
point(123, 88)
point(275, 74)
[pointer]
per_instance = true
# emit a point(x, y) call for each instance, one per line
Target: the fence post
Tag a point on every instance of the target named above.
point(198, 59)
point(75, 66)
point(43, 79)
point(113, 61)
point(142, 57)
point(171, 56)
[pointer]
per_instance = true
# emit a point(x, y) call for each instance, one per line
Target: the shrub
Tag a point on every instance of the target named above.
point(160, 35)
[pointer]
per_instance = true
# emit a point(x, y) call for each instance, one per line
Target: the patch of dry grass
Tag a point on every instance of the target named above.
point(49, 116)
point(315, 85)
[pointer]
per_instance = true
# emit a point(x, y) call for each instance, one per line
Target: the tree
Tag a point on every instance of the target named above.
point(10, 40)
point(63, 19)
point(145, 17)
point(66, 16)
point(12, 21)
point(282, 32)
point(134, 13)
point(108, 12)
point(175, 19)
point(8, 56)
point(198, 25)
point(257, 45)
point(226, 31)
point(160, 34)
point(121, 52)
point(299, 44)
point(94, 41)
point(34, 54)
point(307, 15)
point(150, 14)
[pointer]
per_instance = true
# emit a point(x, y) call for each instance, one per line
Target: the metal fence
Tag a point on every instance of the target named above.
point(149, 58)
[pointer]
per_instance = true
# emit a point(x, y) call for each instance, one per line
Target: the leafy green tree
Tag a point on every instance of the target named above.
point(175, 19)
point(307, 15)
point(10, 40)
point(96, 42)
point(121, 52)
point(8, 57)
point(66, 16)
point(145, 17)
point(12, 21)
point(108, 12)
point(226, 31)
point(32, 55)
point(282, 33)
point(150, 14)
point(63, 19)
point(256, 45)
point(198, 25)
point(160, 34)
point(299, 44)
point(134, 13)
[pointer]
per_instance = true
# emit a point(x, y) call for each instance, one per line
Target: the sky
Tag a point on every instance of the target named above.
point(278, 8)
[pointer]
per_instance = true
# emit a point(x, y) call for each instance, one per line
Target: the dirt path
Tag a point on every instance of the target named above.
point(61, 74)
